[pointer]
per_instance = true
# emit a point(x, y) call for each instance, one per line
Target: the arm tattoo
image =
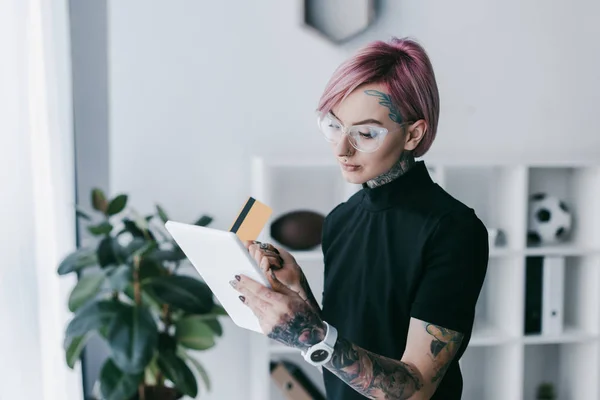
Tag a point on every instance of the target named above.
point(443, 347)
point(386, 101)
point(310, 298)
point(404, 163)
point(372, 375)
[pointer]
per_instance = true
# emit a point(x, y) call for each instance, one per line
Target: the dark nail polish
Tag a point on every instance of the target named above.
point(275, 250)
point(242, 298)
point(237, 277)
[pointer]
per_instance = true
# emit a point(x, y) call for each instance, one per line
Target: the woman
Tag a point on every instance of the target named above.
point(404, 261)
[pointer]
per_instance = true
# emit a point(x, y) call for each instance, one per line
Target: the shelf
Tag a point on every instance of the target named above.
point(571, 367)
point(579, 190)
point(494, 311)
point(495, 193)
point(488, 335)
point(485, 373)
point(561, 250)
point(570, 335)
point(575, 298)
point(501, 362)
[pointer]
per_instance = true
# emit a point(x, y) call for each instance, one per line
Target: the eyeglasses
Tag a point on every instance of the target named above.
point(364, 138)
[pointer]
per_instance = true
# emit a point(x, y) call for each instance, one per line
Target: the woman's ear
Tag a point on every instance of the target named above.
point(414, 134)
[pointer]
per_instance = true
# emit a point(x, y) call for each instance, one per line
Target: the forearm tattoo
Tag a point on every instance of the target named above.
point(372, 375)
point(386, 101)
point(310, 298)
point(404, 163)
point(444, 346)
point(301, 328)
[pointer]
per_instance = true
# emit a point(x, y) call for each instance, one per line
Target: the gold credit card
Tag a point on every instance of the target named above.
point(251, 219)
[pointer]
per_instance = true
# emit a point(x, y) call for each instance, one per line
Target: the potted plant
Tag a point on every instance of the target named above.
point(131, 293)
point(545, 391)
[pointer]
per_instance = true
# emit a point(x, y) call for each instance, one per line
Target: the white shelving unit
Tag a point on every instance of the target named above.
point(501, 362)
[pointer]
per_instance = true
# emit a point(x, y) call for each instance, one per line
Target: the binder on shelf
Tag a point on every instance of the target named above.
point(544, 295)
point(553, 295)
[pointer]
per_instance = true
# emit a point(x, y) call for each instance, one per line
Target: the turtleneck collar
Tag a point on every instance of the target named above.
point(386, 195)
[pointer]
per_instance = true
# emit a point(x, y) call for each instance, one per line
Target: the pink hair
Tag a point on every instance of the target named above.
point(404, 69)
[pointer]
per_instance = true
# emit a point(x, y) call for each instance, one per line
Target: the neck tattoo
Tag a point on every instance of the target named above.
point(404, 163)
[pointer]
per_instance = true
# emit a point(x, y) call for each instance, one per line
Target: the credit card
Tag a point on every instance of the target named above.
point(251, 219)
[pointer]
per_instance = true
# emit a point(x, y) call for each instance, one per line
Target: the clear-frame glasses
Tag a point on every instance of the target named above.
point(364, 138)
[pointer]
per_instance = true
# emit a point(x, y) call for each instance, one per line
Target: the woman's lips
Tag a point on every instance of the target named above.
point(349, 167)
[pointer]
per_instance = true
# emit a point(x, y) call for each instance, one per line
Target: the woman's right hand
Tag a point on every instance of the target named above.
point(282, 263)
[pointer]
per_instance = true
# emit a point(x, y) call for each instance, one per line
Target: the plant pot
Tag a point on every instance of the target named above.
point(159, 393)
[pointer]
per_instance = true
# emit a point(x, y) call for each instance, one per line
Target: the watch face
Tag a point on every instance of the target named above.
point(319, 355)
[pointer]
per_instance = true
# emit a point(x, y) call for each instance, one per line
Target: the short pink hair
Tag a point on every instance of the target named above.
point(404, 69)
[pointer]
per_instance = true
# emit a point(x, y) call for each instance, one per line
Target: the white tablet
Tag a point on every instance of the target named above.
point(218, 256)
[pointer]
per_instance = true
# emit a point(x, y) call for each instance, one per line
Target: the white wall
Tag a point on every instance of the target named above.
point(198, 87)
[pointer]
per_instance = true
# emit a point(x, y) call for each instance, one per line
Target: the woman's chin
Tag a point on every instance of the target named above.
point(355, 177)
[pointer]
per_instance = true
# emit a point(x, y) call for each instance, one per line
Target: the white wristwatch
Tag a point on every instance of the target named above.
point(320, 353)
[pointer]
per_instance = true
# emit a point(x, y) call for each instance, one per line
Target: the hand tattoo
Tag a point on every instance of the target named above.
point(386, 101)
point(372, 375)
point(300, 328)
point(443, 347)
point(404, 164)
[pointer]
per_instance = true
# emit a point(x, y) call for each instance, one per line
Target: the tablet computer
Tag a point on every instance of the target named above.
point(218, 256)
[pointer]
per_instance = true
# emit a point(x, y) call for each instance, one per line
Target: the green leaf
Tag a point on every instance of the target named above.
point(86, 288)
point(147, 299)
point(218, 310)
point(215, 325)
point(204, 220)
point(120, 277)
point(166, 255)
point(77, 260)
point(132, 337)
point(149, 268)
point(92, 316)
point(138, 247)
point(166, 342)
point(162, 214)
point(103, 228)
point(99, 200)
point(183, 292)
point(194, 333)
point(115, 384)
point(74, 349)
point(177, 371)
point(109, 252)
point(198, 367)
point(136, 232)
point(117, 205)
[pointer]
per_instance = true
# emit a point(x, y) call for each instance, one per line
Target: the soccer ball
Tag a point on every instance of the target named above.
point(550, 220)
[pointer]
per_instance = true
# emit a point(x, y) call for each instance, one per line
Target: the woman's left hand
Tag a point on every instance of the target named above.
point(282, 314)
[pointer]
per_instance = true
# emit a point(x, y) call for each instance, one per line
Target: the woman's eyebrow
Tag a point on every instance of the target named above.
point(365, 121)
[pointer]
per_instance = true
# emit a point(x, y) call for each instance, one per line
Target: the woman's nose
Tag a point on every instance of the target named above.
point(343, 147)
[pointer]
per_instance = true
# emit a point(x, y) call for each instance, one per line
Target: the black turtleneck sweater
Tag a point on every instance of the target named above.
point(404, 249)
